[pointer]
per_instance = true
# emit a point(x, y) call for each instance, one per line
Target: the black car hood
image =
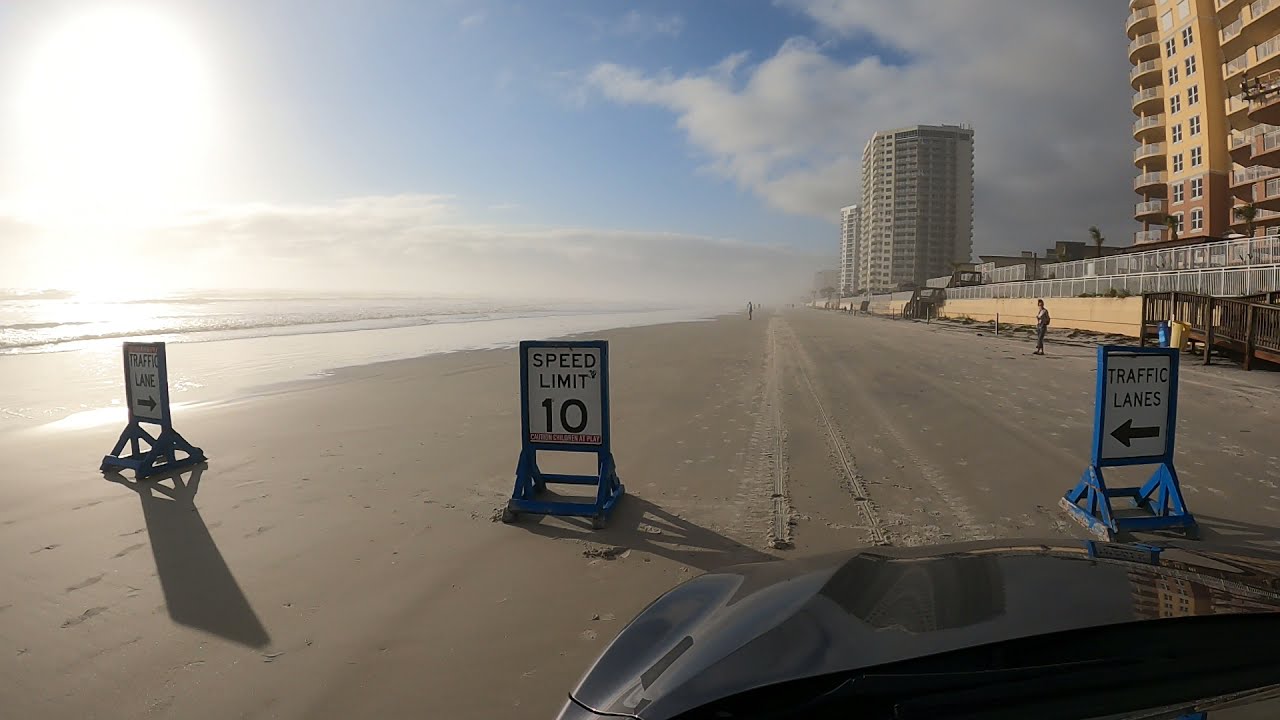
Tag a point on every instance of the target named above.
point(749, 626)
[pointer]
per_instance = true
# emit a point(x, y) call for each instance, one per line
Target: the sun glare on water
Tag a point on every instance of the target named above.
point(116, 122)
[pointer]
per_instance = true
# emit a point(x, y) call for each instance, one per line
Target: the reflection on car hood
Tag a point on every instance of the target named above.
point(748, 626)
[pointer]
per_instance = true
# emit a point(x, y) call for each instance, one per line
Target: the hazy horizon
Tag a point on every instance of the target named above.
point(567, 149)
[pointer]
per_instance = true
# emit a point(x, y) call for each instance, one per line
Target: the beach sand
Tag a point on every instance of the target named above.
point(337, 556)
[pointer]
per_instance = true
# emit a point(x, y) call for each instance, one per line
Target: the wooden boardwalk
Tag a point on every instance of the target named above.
point(1244, 327)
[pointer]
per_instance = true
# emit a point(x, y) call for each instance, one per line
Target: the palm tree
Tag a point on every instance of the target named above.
point(1096, 234)
point(1171, 221)
point(1249, 214)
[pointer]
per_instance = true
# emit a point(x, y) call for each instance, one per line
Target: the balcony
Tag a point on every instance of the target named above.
point(1264, 106)
point(1244, 181)
point(1149, 100)
point(1266, 149)
point(1235, 67)
point(1149, 211)
point(1152, 183)
point(1149, 154)
point(1145, 74)
point(1240, 144)
point(1149, 128)
point(1228, 33)
point(1144, 47)
point(1135, 4)
point(1267, 194)
point(1141, 21)
point(1147, 236)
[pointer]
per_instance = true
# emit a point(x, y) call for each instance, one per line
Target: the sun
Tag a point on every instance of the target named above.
point(115, 120)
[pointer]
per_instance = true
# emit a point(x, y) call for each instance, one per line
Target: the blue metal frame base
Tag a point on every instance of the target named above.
point(1160, 496)
point(160, 457)
point(530, 481)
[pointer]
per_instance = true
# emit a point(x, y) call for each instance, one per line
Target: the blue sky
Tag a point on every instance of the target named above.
point(380, 143)
point(481, 101)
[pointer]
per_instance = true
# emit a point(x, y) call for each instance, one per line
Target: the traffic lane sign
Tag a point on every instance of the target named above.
point(1137, 403)
point(565, 402)
point(146, 394)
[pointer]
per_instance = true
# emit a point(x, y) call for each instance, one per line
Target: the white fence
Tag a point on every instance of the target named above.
point(1221, 282)
point(1226, 254)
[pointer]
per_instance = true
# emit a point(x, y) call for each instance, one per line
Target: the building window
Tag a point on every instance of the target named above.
point(1197, 219)
point(1173, 75)
point(1188, 37)
point(1166, 21)
point(1177, 192)
point(1176, 133)
point(1184, 9)
point(1175, 104)
point(1177, 222)
point(1194, 125)
point(1197, 188)
point(1195, 157)
point(1170, 47)
point(1191, 65)
point(1193, 94)
point(1177, 163)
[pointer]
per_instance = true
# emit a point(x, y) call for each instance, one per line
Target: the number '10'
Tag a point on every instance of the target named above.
point(564, 415)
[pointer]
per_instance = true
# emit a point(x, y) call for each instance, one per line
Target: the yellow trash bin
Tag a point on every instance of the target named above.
point(1180, 335)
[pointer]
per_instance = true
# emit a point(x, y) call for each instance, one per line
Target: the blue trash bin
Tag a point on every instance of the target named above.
point(1162, 332)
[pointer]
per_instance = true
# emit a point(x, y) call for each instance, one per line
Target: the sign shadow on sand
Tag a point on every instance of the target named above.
point(199, 590)
point(640, 525)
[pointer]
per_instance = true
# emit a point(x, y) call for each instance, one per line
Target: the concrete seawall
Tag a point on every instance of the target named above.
point(1122, 316)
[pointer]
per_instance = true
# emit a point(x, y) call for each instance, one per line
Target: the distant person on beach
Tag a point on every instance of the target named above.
point(1042, 324)
point(750, 310)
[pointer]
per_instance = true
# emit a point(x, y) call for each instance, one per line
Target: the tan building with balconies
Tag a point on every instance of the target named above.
point(1250, 41)
point(1184, 170)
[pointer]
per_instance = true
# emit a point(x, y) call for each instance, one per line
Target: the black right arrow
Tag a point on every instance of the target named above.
point(150, 404)
point(1127, 432)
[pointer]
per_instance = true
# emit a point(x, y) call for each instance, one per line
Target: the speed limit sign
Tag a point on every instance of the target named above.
point(564, 402)
point(564, 406)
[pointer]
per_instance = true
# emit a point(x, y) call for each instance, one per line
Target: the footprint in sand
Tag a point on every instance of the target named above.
point(72, 622)
point(86, 583)
point(131, 548)
point(258, 532)
point(54, 546)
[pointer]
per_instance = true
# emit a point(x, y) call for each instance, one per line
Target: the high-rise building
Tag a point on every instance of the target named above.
point(1250, 40)
point(1189, 57)
point(850, 219)
point(917, 205)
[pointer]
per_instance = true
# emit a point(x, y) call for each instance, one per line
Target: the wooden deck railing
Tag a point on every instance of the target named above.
point(1249, 326)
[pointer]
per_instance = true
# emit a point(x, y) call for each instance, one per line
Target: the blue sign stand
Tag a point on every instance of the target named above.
point(575, 408)
point(146, 383)
point(1135, 418)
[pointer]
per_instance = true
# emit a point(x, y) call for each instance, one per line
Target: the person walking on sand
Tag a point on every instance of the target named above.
point(750, 310)
point(1042, 324)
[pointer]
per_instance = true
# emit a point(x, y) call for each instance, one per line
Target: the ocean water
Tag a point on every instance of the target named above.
point(60, 361)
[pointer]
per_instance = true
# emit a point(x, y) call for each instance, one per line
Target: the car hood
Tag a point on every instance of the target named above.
point(749, 626)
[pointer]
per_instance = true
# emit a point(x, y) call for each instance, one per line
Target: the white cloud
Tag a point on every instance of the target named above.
point(1043, 83)
point(420, 243)
point(473, 19)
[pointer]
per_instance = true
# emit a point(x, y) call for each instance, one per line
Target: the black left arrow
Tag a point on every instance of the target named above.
point(150, 404)
point(1126, 433)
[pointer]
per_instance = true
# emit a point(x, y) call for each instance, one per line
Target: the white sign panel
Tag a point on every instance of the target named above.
point(1137, 398)
point(565, 400)
point(142, 366)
